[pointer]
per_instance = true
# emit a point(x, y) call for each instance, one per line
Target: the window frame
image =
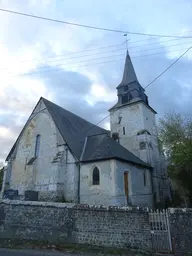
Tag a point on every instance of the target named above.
point(125, 99)
point(37, 145)
point(145, 179)
point(95, 176)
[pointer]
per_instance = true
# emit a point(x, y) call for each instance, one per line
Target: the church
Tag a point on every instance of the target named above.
point(68, 159)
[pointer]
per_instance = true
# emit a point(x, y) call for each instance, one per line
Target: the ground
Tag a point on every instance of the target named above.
point(24, 252)
point(35, 248)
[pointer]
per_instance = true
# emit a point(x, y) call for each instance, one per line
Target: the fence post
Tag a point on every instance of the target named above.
point(169, 232)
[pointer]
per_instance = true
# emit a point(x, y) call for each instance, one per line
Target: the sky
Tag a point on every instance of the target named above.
point(79, 68)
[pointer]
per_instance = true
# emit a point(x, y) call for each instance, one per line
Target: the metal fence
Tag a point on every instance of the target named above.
point(160, 231)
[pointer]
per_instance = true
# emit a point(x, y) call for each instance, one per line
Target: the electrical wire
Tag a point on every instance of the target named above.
point(152, 80)
point(51, 69)
point(88, 26)
point(93, 49)
point(168, 67)
point(82, 56)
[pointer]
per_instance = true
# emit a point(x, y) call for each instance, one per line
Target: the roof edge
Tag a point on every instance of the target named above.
point(84, 146)
point(14, 145)
point(132, 103)
point(117, 158)
point(59, 129)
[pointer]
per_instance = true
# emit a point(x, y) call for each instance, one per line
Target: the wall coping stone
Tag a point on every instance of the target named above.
point(76, 206)
point(180, 210)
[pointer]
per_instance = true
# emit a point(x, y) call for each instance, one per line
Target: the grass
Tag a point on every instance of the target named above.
point(26, 244)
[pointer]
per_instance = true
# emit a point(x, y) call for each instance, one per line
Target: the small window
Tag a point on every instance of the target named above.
point(37, 145)
point(123, 130)
point(124, 99)
point(120, 117)
point(96, 178)
point(142, 145)
point(144, 178)
point(125, 88)
point(130, 96)
point(115, 136)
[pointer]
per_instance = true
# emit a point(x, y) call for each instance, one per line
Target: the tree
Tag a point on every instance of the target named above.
point(175, 134)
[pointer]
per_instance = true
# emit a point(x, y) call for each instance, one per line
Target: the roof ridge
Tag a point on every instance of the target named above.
point(98, 134)
point(72, 113)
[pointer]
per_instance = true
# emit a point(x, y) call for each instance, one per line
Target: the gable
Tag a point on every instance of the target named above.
point(39, 108)
point(72, 129)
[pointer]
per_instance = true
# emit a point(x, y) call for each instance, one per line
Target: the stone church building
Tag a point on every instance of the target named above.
point(66, 158)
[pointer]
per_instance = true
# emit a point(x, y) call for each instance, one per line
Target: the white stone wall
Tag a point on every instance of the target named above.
point(54, 172)
point(134, 118)
point(140, 194)
point(98, 194)
point(111, 189)
point(131, 119)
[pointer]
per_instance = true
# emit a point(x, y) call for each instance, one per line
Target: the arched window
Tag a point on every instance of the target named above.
point(144, 178)
point(142, 145)
point(96, 178)
point(37, 145)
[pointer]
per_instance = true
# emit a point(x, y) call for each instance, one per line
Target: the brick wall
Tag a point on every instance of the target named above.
point(181, 230)
point(60, 223)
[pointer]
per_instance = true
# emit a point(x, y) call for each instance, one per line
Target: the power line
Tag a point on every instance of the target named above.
point(61, 64)
point(87, 26)
point(76, 57)
point(92, 49)
point(155, 78)
point(114, 50)
point(156, 38)
point(66, 54)
point(169, 67)
point(51, 69)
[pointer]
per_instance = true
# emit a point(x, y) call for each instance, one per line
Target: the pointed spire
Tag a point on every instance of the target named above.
point(129, 74)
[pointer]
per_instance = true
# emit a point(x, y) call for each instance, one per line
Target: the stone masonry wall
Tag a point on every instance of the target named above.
point(69, 223)
point(181, 230)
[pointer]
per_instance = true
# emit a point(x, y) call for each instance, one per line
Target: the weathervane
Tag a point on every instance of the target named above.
point(126, 41)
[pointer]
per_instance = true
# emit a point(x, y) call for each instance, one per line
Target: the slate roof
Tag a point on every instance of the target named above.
point(129, 75)
point(86, 141)
point(119, 105)
point(98, 147)
point(73, 128)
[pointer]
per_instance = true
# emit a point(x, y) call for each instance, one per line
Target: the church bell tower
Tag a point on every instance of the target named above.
point(133, 125)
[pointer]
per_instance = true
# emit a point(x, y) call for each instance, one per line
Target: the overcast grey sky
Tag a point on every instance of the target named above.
point(85, 82)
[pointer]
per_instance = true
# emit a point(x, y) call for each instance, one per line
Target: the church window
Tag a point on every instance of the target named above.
point(125, 88)
point(115, 136)
point(144, 178)
point(142, 145)
point(37, 145)
point(124, 99)
point(96, 178)
point(144, 131)
point(130, 97)
point(124, 130)
point(120, 117)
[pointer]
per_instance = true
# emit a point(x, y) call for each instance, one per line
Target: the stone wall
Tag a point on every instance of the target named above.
point(54, 172)
point(69, 223)
point(181, 230)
